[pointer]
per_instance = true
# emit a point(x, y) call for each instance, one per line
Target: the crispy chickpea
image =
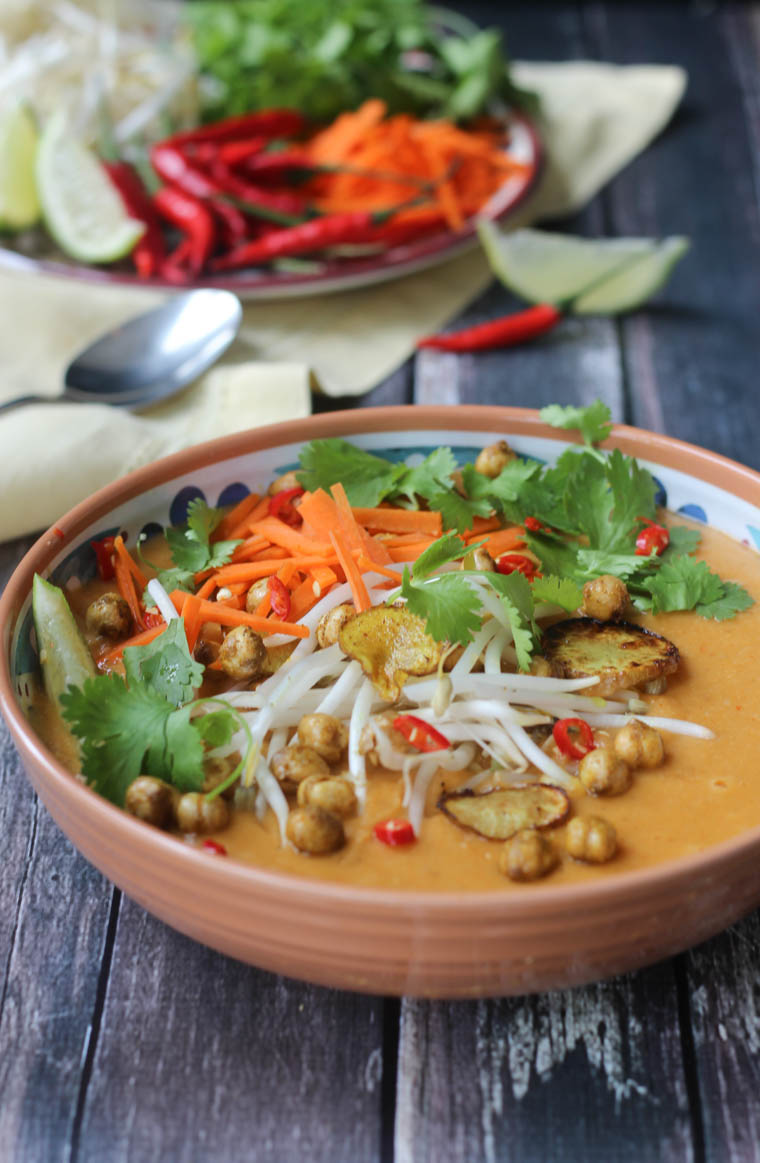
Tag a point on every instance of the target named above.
point(325, 734)
point(479, 559)
point(330, 624)
point(529, 855)
point(296, 762)
point(591, 839)
point(492, 459)
point(216, 770)
point(256, 594)
point(197, 814)
point(151, 800)
point(243, 653)
point(288, 480)
point(639, 745)
point(109, 615)
point(313, 830)
point(603, 774)
point(605, 598)
point(335, 795)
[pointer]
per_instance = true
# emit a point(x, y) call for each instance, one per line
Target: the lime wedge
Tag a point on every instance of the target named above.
point(597, 276)
point(19, 203)
point(82, 209)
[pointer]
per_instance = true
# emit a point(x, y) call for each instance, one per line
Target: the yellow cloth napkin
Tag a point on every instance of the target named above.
point(595, 118)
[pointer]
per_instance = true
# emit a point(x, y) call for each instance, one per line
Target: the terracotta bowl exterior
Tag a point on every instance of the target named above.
point(425, 944)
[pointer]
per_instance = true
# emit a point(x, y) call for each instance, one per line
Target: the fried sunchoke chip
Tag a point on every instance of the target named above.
point(622, 655)
point(501, 812)
point(390, 643)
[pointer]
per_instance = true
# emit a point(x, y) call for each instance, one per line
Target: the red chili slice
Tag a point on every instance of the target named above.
point(573, 748)
point(152, 618)
point(104, 551)
point(279, 596)
point(281, 505)
point(533, 524)
point(517, 563)
point(652, 538)
point(394, 833)
point(420, 734)
point(214, 847)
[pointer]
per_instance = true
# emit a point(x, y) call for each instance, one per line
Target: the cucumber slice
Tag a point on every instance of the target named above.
point(64, 654)
point(19, 201)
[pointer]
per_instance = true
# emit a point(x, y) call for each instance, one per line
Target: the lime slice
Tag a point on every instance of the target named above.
point(82, 209)
point(19, 203)
point(599, 276)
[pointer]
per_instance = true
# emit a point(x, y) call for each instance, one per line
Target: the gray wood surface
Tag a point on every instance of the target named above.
point(122, 1040)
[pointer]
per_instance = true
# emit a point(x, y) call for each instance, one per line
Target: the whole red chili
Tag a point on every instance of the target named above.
point(394, 833)
point(214, 847)
point(652, 539)
point(279, 596)
point(516, 563)
point(281, 505)
point(149, 250)
point(267, 123)
point(420, 734)
point(507, 331)
point(194, 219)
point(104, 552)
point(573, 746)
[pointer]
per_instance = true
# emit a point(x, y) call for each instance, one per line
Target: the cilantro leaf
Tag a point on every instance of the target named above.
point(593, 422)
point(191, 548)
point(448, 604)
point(446, 549)
point(202, 520)
point(217, 727)
point(682, 541)
point(165, 664)
point(187, 553)
point(433, 475)
point(129, 731)
point(683, 583)
point(367, 479)
point(171, 579)
point(516, 597)
point(560, 591)
point(633, 493)
point(457, 512)
point(732, 601)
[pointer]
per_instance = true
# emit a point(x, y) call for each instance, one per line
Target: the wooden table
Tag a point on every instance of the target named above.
point(120, 1039)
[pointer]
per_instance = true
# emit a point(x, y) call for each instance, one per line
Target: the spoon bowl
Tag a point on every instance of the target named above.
point(153, 356)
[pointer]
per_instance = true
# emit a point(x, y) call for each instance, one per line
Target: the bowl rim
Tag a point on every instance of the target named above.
point(654, 447)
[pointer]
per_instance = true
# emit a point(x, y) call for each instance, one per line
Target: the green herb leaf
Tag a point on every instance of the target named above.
point(191, 548)
point(593, 422)
point(443, 551)
point(165, 665)
point(448, 604)
point(367, 479)
point(560, 591)
point(683, 583)
point(682, 541)
point(516, 597)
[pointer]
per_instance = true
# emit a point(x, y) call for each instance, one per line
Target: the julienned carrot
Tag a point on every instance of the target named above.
point(481, 525)
point(289, 538)
point(366, 565)
point(356, 536)
point(126, 585)
point(141, 639)
point(253, 570)
point(258, 513)
point(191, 612)
point(351, 570)
point(237, 514)
point(224, 616)
point(503, 540)
point(324, 577)
point(302, 599)
point(401, 521)
point(319, 513)
point(409, 552)
point(249, 547)
point(129, 561)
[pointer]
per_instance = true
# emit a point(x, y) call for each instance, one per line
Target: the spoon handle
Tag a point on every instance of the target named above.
point(7, 405)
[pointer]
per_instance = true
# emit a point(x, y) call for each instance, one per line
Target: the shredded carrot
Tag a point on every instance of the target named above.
point(366, 565)
point(126, 582)
point(417, 521)
point(253, 570)
point(191, 612)
point(129, 561)
point(251, 545)
point(481, 525)
point(140, 639)
point(302, 599)
point(237, 514)
point(351, 570)
point(278, 533)
point(409, 552)
point(224, 616)
point(260, 511)
point(324, 576)
point(207, 588)
point(503, 540)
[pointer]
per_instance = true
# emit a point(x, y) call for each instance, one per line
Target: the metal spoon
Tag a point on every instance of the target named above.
point(151, 357)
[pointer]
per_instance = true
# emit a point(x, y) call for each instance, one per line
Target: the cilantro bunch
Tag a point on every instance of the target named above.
point(192, 549)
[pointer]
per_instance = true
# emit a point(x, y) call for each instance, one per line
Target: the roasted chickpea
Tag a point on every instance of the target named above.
point(216, 770)
point(296, 762)
point(479, 559)
point(603, 774)
point(639, 745)
point(330, 624)
point(152, 800)
point(334, 794)
point(605, 598)
point(243, 654)
point(256, 594)
point(109, 615)
point(492, 459)
point(529, 855)
point(197, 814)
point(288, 480)
point(591, 839)
point(325, 734)
point(313, 830)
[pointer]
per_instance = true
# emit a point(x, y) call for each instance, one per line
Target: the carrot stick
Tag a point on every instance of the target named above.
point(351, 570)
point(288, 538)
point(248, 546)
point(207, 588)
point(236, 515)
point(140, 639)
point(253, 570)
point(481, 525)
point(504, 540)
point(224, 616)
point(409, 552)
point(357, 537)
point(126, 586)
point(129, 562)
point(323, 576)
point(260, 511)
point(302, 599)
point(191, 612)
point(366, 565)
point(400, 520)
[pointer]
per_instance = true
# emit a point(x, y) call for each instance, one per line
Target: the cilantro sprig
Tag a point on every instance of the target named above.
point(192, 549)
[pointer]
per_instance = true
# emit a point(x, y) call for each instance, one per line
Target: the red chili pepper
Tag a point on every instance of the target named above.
point(281, 504)
point(104, 552)
point(517, 563)
point(214, 847)
point(573, 748)
point(152, 617)
point(267, 123)
point(420, 734)
point(284, 203)
point(232, 222)
point(150, 250)
point(532, 524)
point(280, 165)
point(192, 217)
point(652, 539)
point(394, 833)
point(233, 153)
point(279, 596)
point(508, 331)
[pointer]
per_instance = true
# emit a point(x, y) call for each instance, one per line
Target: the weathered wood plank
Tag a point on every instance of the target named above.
point(590, 1074)
point(199, 1056)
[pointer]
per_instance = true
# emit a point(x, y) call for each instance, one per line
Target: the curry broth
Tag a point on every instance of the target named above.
point(704, 793)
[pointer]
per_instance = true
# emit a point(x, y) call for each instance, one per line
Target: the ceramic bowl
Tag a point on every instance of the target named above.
point(425, 944)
